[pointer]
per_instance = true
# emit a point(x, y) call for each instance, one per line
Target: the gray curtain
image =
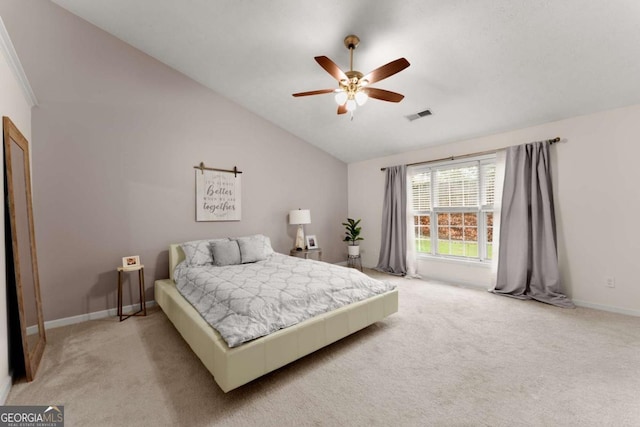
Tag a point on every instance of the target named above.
point(393, 250)
point(528, 258)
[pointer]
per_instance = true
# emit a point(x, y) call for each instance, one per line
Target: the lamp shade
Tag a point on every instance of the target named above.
point(341, 97)
point(300, 216)
point(361, 98)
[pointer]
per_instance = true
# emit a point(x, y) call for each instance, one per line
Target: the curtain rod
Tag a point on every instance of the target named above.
point(462, 156)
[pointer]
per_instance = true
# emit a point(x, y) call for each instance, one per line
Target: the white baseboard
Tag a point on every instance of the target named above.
point(5, 388)
point(50, 324)
point(609, 308)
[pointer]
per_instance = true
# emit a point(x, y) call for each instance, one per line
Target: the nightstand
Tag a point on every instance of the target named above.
point(354, 261)
point(306, 252)
point(143, 303)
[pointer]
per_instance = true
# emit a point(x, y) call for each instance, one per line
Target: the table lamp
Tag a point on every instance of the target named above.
point(299, 217)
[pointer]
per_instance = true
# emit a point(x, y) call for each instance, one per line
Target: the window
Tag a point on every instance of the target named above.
point(453, 208)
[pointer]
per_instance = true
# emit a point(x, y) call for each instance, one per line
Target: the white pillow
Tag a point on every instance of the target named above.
point(198, 252)
point(268, 250)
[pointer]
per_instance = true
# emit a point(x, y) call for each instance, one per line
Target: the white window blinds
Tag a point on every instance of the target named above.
point(421, 185)
point(488, 177)
point(457, 186)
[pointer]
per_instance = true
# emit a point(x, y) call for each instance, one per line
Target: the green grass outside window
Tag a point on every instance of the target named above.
point(446, 247)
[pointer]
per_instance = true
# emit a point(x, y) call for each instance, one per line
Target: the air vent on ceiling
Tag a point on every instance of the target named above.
point(421, 114)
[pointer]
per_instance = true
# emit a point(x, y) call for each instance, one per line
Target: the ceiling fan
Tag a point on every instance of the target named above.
point(353, 86)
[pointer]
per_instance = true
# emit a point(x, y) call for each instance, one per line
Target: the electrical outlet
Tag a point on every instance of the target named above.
point(610, 282)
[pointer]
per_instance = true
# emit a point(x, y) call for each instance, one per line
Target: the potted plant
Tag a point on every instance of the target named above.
point(352, 235)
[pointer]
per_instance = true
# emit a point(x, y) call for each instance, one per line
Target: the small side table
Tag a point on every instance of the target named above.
point(354, 261)
point(143, 303)
point(306, 253)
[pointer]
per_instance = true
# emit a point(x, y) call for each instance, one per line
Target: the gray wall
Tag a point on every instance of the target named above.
point(115, 138)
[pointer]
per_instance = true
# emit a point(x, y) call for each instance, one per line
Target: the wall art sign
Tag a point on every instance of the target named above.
point(218, 195)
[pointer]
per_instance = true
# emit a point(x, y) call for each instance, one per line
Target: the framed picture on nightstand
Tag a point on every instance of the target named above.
point(131, 261)
point(311, 241)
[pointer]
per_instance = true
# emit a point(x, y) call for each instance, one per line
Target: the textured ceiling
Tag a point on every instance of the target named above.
point(482, 67)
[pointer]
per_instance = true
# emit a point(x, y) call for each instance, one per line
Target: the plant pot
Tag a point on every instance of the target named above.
point(354, 250)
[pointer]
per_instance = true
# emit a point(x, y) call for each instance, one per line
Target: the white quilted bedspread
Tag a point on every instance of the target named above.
point(248, 301)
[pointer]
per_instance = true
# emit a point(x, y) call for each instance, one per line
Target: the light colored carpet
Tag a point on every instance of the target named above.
point(450, 357)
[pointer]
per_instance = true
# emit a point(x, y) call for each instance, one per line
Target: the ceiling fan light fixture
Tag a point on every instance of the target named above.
point(351, 105)
point(361, 97)
point(341, 97)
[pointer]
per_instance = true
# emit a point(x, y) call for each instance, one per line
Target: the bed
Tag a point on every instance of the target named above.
point(234, 367)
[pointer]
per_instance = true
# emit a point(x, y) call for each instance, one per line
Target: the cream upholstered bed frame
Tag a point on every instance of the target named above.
point(233, 367)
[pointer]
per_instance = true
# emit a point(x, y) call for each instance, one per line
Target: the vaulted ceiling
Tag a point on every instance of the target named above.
point(482, 67)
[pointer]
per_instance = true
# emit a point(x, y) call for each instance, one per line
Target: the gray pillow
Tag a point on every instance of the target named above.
point(225, 252)
point(252, 249)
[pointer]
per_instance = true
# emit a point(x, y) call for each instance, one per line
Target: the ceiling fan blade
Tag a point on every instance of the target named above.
point(314, 92)
point(342, 109)
point(331, 68)
point(384, 95)
point(386, 70)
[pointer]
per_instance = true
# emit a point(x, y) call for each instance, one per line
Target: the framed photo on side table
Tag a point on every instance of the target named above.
point(311, 241)
point(131, 261)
